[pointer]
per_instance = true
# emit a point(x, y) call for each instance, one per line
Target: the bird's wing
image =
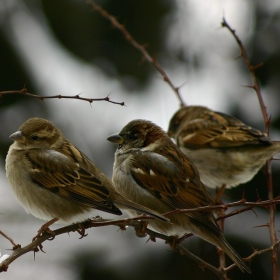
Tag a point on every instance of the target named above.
point(63, 176)
point(219, 130)
point(175, 182)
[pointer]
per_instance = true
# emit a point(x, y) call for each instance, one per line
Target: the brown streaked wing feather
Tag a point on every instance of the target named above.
point(66, 178)
point(238, 133)
point(219, 130)
point(200, 132)
point(168, 182)
point(85, 163)
point(77, 156)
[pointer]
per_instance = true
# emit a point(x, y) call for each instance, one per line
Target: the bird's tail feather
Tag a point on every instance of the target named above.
point(142, 209)
point(234, 256)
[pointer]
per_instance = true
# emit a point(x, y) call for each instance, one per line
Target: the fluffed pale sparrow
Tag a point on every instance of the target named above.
point(225, 150)
point(151, 170)
point(52, 179)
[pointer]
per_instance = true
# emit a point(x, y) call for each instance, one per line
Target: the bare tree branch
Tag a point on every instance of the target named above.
point(242, 202)
point(141, 48)
point(10, 239)
point(256, 87)
point(137, 223)
point(202, 263)
point(42, 98)
point(122, 223)
point(257, 253)
point(252, 69)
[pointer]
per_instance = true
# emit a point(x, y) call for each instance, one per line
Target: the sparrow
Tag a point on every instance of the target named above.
point(151, 170)
point(52, 179)
point(225, 150)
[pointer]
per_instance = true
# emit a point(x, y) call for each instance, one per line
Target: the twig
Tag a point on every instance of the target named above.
point(252, 69)
point(272, 231)
point(242, 202)
point(235, 212)
point(256, 87)
point(139, 47)
point(99, 222)
point(123, 223)
point(15, 245)
point(256, 253)
point(202, 263)
point(33, 246)
point(221, 223)
point(42, 98)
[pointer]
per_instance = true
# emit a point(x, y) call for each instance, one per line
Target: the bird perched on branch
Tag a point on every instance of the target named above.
point(53, 180)
point(151, 170)
point(225, 150)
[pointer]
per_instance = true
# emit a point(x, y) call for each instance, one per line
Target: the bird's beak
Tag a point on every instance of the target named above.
point(17, 136)
point(116, 138)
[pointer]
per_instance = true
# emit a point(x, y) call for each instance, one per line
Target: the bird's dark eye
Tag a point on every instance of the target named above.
point(132, 136)
point(34, 137)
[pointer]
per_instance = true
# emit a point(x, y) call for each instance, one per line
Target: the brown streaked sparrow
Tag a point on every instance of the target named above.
point(225, 150)
point(150, 169)
point(52, 179)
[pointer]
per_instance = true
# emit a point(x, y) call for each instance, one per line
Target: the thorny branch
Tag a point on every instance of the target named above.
point(256, 253)
point(42, 98)
point(9, 238)
point(123, 223)
point(202, 263)
point(98, 222)
point(141, 48)
point(256, 87)
point(252, 69)
point(242, 202)
point(137, 223)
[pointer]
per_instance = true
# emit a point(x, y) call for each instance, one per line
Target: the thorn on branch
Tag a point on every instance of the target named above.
point(253, 210)
point(264, 225)
point(255, 67)
point(252, 87)
point(42, 98)
point(24, 89)
point(151, 238)
point(15, 245)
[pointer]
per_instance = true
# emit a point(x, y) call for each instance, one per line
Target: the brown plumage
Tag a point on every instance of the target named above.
point(151, 170)
point(51, 178)
point(224, 149)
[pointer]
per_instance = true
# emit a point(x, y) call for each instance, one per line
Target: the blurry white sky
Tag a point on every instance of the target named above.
point(195, 25)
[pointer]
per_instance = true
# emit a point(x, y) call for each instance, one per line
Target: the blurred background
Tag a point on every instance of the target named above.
point(63, 47)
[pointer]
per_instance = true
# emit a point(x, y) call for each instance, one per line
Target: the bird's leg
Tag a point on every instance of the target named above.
point(82, 231)
point(172, 242)
point(175, 240)
point(45, 228)
point(141, 229)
